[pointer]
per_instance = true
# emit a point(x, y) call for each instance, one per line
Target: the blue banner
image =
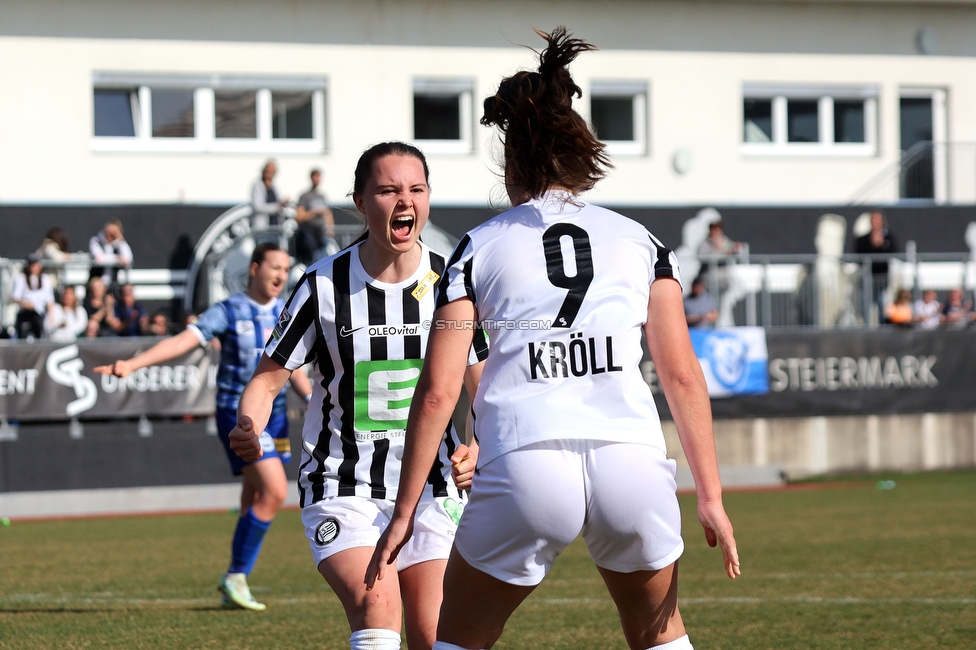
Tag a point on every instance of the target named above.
point(734, 360)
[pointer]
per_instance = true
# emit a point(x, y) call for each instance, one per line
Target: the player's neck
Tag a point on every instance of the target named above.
point(386, 265)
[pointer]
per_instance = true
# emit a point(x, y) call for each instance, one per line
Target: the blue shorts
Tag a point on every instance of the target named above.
point(274, 440)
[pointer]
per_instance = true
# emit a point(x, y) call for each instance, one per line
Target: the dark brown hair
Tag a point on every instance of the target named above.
point(261, 251)
point(546, 142)
point(364, 168)
point(59, 238)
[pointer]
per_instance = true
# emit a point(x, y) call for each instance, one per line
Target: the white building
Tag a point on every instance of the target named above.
point(701, 102)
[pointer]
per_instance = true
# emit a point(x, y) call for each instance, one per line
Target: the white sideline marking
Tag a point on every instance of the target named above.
point(49, 599)
point(783, 599)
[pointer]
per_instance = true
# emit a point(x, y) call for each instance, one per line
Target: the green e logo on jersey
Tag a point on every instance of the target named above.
point(383, 393)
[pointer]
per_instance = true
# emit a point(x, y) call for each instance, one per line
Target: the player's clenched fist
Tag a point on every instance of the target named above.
point(244, 440)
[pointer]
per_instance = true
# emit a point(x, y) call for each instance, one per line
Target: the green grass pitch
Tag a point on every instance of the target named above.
point(833, 566)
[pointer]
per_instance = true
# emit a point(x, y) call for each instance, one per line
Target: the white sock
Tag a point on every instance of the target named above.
point(683, 643)
point(374, 639)
point(441, 645)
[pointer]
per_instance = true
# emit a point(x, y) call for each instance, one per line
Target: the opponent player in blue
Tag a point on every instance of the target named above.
point(243, 323)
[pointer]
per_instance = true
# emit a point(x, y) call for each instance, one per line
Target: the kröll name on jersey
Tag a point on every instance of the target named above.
point(581, 356)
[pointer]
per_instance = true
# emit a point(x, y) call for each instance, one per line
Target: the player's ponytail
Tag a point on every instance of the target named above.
point(546, 142)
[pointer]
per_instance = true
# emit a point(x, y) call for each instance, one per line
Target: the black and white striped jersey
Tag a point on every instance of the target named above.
point(561, 288)
point(367, 341)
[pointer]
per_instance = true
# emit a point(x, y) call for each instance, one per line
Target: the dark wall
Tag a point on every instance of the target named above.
point(161, 236)
point(774, 230)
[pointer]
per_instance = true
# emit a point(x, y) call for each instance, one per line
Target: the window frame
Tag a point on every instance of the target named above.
point(204, 139)
point(781, 94)
point(445, 86)
point(639, 92)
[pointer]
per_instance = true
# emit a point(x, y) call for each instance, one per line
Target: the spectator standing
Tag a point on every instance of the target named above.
point(957, 314)
point(701, 310)
point(265, 202)
point(928, 311)
point(100, 305)
point(129, 316)
point(33, 294)
point(54, 246)
point(109, 252)
point(66, 320)
point(316, 224)
point(879, 240)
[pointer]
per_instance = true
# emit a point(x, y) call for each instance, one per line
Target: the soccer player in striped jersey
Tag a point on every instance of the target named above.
point(242, 323)
point(362, 316)
point(570, 439)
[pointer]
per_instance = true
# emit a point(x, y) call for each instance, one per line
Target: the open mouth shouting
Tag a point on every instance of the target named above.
point(402, 228)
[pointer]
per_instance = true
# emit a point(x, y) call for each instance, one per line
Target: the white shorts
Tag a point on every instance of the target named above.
point(338, 523)
point(527, 505)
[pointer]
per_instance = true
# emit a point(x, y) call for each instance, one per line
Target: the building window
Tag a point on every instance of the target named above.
point(235, 114)
point(618, 115)
point(172, 112)
point(442, 114)
point(115, 111)
point(292, 115)
point(805, 120)
point(213, 113)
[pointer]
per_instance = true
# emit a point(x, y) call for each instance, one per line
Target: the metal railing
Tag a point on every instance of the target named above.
point(825, 291)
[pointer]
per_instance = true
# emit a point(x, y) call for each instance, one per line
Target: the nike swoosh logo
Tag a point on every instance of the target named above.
point(343, 332)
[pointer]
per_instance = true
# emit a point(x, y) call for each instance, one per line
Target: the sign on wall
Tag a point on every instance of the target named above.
point(852, 372)
point(48, 381)
point(733, 359)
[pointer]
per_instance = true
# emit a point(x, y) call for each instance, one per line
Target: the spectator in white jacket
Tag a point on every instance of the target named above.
point(109, 252)
point(66, 320)
point(32, 292)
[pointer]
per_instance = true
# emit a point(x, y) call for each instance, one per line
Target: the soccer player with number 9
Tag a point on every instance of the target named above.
point(570, 439)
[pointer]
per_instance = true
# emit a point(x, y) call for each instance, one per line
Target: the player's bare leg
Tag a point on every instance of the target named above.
point(647, 602)
point(479, 605)
point(378, 608)
point(421, 587)
point(264, 488)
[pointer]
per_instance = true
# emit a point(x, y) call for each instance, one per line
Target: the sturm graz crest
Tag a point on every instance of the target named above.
point(327, 531)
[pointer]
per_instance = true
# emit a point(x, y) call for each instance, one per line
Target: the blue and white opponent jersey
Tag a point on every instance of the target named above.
point(561, 288)
point(243, 327)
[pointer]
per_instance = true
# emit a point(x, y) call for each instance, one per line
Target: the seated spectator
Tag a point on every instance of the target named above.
point(717, 244)
point(66, 320)
point(900, 311)
point(957, 314)
point(33, 294)
point(928, 311)
point(701, 310)
point(158, 325)
point(100, 306)
point(109, 252)
point(129, 317)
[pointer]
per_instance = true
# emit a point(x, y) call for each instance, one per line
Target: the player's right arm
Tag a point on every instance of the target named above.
point(681, 378)
point(165, 350)
point(254, 409)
